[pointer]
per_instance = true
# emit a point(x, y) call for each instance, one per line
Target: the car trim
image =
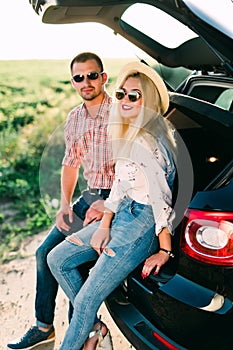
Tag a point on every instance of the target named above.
point(191, 293)
point(215, 304)
point(142, 286)
point(205, 113)
point(140, 332)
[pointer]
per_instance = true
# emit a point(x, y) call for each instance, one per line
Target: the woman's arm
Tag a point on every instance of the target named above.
point(101, 236)
point(159, 259)
point(160, 198)
point(159, 173)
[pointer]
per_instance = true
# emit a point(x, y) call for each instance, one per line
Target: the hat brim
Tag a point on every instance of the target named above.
point(139, 67)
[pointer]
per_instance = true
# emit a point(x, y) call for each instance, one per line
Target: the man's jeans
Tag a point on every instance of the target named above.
point(46, 285)
point(133, 239)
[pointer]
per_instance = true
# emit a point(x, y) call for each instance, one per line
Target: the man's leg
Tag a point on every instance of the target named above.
point(47, 286)
point(46, 291)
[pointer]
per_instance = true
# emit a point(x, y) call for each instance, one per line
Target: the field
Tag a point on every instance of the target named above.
point(35, 98)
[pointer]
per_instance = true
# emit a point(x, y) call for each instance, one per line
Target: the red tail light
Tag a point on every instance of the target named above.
point(208, 236)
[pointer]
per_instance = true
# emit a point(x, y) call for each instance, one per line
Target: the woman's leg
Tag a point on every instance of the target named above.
point(114, 264)
point(64, 259)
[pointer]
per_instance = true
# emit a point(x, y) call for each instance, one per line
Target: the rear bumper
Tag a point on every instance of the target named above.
point(182, 309)
point(135, 327)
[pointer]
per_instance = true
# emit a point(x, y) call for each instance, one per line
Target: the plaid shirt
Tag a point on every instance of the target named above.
point(87, 143)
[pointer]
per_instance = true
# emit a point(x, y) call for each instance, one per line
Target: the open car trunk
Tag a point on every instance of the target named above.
point(147, 306)
point(214, 47)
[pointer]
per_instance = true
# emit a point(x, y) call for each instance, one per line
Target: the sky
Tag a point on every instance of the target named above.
point(24, 36)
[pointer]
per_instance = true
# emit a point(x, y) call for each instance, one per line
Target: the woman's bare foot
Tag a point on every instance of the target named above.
point(99, 331)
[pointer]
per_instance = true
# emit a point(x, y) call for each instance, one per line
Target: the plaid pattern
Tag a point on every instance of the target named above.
point(87, 143)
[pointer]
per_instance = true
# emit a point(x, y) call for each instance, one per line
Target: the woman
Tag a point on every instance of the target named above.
point(137, 221)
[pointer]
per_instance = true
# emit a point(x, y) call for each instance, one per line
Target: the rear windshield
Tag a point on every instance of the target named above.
point(163, 28)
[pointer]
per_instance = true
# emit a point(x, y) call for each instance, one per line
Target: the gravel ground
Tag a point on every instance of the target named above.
point(17, 295)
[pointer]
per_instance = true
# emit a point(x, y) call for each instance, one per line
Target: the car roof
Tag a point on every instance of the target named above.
point(211, 49)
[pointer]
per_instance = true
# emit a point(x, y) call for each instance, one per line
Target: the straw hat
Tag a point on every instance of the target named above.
point(139, 67)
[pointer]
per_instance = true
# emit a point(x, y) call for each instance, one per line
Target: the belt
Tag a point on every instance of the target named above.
point(99, 191)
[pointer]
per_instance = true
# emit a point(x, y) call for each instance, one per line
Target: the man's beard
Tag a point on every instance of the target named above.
point(91, 97)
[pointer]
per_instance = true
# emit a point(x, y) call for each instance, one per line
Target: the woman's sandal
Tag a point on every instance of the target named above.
point(97, 332)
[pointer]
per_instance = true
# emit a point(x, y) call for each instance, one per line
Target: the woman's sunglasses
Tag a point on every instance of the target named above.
point(133, 95)
point(90, 76)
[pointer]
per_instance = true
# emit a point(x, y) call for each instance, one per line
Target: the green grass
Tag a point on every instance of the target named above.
point(35, 98)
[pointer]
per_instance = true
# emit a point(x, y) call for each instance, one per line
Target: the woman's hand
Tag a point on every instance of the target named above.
point(100, 239)
point(156, 260)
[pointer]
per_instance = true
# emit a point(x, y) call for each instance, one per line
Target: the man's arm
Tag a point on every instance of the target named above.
point(69, 178)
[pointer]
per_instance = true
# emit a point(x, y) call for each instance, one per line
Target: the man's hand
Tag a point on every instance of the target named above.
point(95, 212)
point(60, 223)
point(100, 239)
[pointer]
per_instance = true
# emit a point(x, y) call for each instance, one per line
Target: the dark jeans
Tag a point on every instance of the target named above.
point(46, 284)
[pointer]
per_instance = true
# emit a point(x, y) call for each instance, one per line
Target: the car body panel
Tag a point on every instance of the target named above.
point(176, 309)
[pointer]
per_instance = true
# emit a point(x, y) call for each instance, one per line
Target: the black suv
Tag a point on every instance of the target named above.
point(189, 305)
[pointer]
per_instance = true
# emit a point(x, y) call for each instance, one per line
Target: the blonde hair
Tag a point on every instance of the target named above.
point(150, 123)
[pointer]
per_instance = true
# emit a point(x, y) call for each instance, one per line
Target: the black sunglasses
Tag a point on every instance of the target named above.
point(91, 76)
point(133, 95)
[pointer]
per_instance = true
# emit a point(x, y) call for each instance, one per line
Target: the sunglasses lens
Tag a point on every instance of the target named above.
point(133, 96)
point(93, 75)
point(119, 94)
point(78, 78)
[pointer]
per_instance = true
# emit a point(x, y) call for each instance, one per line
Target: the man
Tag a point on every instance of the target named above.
point(87, 143)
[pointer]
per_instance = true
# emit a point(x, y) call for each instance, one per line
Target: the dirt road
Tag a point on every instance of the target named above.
point(17, 295)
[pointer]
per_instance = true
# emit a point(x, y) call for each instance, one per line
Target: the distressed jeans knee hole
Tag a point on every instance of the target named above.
point(109, 252)
point(74, 239)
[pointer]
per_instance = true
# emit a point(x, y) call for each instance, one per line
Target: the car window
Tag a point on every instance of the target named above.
point(219, 94)
point(174, 77)
point(225, 100)
point(158, 25)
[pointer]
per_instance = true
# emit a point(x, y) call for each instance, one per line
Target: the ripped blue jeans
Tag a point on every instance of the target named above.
point(133, 240)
